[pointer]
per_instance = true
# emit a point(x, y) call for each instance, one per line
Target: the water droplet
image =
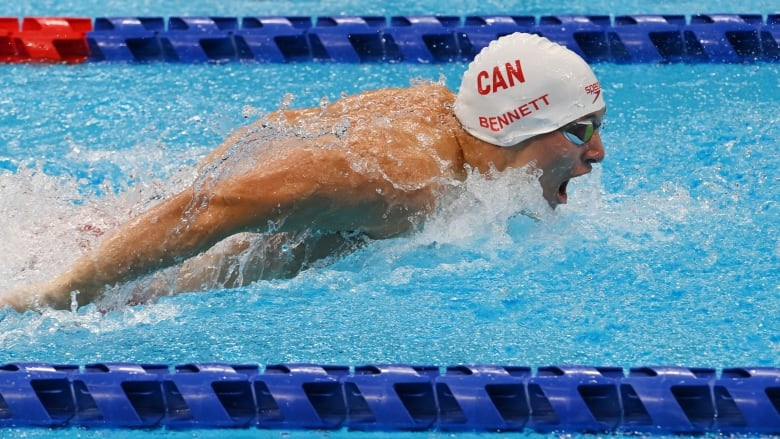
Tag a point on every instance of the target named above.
point(287, 100)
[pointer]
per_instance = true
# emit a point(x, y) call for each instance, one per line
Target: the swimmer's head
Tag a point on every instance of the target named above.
point(523, 85)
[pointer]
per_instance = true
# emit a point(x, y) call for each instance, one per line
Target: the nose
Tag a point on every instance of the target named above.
point(595, 150)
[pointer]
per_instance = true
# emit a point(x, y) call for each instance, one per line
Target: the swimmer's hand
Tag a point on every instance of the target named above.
point(36, 296)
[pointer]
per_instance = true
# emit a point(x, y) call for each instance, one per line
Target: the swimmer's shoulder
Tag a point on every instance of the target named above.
point(427, 103)
point(425, 94)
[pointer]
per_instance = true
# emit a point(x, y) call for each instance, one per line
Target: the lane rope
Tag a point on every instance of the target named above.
point(702, 38)
point(647, 400)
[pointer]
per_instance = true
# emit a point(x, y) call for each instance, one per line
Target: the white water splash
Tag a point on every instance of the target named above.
point(47, 221)
point(482, 206)
point(41, 229)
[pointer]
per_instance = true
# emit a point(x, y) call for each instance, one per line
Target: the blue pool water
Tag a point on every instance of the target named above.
point(667, 254)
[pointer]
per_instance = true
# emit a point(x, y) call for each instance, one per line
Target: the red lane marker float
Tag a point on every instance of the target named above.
point(44, 39)
point(8, 26)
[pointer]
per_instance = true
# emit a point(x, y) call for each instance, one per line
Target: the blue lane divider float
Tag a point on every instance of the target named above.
point(647, 400)
point(716, 38)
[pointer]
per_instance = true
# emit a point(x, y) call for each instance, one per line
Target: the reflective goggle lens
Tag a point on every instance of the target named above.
point(580, 132)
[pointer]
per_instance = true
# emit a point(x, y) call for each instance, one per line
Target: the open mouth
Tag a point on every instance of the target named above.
point(562, 196)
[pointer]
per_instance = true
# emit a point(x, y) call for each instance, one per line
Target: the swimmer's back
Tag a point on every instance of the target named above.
point(402, 140)
point(414, 126)
point(372, 162)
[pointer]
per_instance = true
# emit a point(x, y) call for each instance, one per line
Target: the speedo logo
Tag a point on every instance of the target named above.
point(593, 89)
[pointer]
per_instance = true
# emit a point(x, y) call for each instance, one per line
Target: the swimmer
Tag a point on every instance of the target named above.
point(372, 164)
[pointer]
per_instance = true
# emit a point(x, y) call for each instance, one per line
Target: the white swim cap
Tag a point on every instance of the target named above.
point(523, 85)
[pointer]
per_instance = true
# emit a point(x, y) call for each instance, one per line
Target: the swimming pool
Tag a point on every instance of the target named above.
point(667, 254)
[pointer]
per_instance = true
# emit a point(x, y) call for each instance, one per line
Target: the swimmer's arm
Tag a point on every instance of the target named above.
point(306, 189)
point(154, 239)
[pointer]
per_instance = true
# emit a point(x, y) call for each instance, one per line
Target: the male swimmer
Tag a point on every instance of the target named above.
point(373, 164)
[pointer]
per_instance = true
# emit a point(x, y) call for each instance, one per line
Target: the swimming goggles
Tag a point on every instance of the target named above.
point(580, 132)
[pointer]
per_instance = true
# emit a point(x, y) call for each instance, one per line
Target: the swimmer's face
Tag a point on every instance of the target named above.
point(561, 159)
